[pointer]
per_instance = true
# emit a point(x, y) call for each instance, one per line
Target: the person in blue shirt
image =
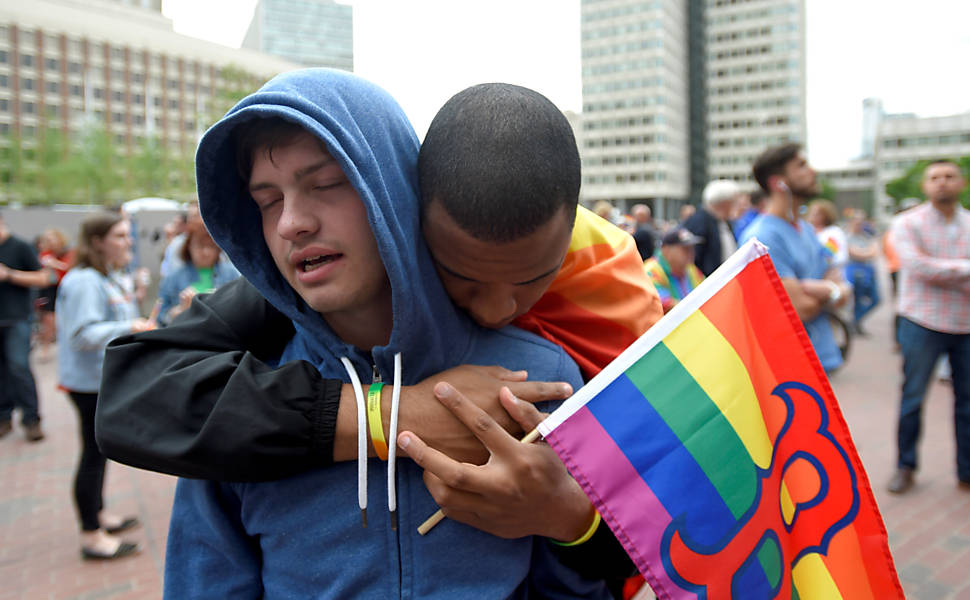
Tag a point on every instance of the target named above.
point(201, 272)
point(802, 263)
point(95, 303)
point(310, 187)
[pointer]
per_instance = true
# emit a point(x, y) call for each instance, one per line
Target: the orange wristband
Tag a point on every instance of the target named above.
point(374, 420)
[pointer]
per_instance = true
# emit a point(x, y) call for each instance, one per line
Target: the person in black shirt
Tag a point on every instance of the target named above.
point(646, 234)
point(19, 271)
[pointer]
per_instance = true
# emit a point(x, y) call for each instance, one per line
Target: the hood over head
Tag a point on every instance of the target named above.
point(368, 134)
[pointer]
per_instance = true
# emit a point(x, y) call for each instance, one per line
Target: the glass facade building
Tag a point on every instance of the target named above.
point(314, 33)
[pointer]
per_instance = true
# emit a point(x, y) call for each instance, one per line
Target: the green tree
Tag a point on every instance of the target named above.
point(909, 184)
point(13, 170)
point(97, 163)
point(826, 189)
point(147, 168)
point(89, 167)
point(234, 84)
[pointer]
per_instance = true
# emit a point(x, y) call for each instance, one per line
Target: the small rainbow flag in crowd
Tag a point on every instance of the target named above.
point(715, 450)
point(832, 246)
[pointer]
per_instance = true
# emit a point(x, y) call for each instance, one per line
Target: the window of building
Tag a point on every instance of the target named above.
point(173, 103)
point(52, 64)
point(99, 93)
point(4, 105)
point(27, 83)
point(52, 87)
point(51, 110)
point(27, 60)
point(3, 57)
point(29, 107)
point(73, 67)
point(75, 90)
point(117, 117)
point(117, 96)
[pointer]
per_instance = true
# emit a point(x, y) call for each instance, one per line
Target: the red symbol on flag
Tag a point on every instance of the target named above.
point(714, 571)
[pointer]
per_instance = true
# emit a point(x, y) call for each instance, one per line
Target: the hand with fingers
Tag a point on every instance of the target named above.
point(523, 489)
point(424, 415)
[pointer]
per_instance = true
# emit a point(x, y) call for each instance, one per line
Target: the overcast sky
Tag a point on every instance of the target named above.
point(910, 54)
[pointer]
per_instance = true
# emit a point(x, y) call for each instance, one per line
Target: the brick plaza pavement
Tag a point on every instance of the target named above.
point(929, 528)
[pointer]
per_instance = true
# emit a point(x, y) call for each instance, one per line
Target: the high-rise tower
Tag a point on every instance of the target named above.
point(679, 92)
point(314, 33)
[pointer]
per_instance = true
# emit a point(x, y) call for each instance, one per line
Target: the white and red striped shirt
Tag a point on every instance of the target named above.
point(934, 271)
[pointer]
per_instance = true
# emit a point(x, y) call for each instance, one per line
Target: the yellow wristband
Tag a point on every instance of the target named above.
point(585, 537)
point(374, 420)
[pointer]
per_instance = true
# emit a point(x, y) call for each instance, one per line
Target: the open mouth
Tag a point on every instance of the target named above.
point(315, 262)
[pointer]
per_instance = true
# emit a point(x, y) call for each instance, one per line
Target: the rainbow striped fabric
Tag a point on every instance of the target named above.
point(601, 301)
point(715, 450)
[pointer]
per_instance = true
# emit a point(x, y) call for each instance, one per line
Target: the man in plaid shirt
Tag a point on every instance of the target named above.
point(933, 243)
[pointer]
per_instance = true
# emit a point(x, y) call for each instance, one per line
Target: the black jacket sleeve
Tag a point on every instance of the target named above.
point(195, 399)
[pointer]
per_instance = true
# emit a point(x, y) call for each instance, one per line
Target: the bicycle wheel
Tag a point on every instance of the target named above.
point(841, 332)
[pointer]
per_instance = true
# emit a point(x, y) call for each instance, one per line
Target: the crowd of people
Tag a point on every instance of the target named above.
point(81, 297)
point(374, 266)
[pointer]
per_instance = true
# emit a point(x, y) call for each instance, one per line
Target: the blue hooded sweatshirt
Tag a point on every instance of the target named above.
point(302, 537)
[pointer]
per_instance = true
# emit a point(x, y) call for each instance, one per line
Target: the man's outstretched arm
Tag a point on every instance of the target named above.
point(196, 399)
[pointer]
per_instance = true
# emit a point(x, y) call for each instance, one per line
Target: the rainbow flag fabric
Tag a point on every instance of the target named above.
point(715, 450)
point(601, 301)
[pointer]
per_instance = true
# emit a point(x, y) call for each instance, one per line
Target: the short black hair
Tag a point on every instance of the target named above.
point(772, 162)
point(264, 134)
point(502, 161)
point(942, 161)
point(757, 197)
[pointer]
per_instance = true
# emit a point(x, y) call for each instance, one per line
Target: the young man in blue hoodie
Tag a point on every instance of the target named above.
point(324, 223)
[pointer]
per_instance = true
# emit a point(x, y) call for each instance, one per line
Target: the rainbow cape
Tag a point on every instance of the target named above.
point(715, 450)
point(601, 301)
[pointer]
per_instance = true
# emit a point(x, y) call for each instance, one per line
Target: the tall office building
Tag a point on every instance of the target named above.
point(679, 92)
point(872, 115)
point(635, 142)
point(155, 5)
point(314, 33)
point(756, 81)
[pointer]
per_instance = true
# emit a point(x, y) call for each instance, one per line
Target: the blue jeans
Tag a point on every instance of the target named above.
point(862, 276)
point(17, 389)
point(921, 349)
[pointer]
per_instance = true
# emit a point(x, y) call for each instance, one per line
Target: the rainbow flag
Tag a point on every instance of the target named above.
point(601, 301)
point(715, 450)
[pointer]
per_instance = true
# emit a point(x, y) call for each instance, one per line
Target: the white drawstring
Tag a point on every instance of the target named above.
point(361, 439)
point(392, 444)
